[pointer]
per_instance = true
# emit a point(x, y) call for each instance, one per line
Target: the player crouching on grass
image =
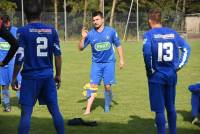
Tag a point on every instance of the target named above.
point(195, 102)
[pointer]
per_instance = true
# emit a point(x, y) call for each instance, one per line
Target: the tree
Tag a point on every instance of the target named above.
point(56, 14)
point(85, 13)
point(101, 5)
point(7, 6)
point(112, 12)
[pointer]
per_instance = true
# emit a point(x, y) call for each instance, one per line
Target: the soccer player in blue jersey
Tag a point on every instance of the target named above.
point(38, 43)
point(195, 102)
point(102, 39)
point(162, 61)
point(7, 71)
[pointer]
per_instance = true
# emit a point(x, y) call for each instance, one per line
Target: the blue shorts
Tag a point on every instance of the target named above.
point(162, 96)
point(105, 71)
point(42, 89)
point(6, 74)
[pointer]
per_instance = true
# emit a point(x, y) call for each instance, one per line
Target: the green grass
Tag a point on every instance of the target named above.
point(130, 112)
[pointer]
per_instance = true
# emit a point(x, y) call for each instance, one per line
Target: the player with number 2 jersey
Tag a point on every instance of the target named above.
point(38, 43)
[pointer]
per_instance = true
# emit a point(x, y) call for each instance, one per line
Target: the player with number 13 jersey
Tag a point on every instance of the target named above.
point(161, 47)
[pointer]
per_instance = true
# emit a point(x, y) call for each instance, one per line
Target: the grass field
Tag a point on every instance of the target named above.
point(130, 112)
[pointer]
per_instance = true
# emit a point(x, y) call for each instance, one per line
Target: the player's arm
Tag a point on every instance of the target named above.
point(12, 41)
point(121, 56)
point(147, 54)
point(58, 59)
point(117, 43)
point(84, 39)
point(185, 51)
point(19, 59)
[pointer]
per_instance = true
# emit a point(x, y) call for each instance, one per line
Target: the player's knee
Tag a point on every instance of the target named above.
point(90, 90)
point(171, 113)
point(107, 87)
point(93, 86)
point(160, 119)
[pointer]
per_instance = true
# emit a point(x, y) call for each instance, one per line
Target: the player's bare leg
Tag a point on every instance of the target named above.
point(89, 105)
point(90, 101)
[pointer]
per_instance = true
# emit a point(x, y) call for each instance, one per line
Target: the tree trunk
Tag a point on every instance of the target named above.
point(101, 5)
point(112, 12)
point(183, 16)
point(85, 13)
point(174, 25)
point(56, 14)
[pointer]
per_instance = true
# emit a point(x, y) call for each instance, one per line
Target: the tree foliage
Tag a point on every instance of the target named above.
point(7, 6)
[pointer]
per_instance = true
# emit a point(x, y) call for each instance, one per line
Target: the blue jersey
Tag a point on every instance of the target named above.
point(161, 51)
point(5, 46)
point(102, 44)
point(37, 44)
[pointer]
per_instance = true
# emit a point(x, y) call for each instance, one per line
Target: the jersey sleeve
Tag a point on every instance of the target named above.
point(11, 40)
point(147, 54)
point(19, 59)
point(116, 39)
point(185, 51)
point(56, 44)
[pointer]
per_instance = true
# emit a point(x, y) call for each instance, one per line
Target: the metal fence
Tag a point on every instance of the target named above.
point(74, 23)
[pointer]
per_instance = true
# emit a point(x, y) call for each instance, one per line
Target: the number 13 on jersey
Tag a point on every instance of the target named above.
point(165, 51)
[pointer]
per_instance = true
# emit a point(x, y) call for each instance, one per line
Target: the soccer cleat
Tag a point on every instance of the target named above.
point(195, 121)
point(7, 107)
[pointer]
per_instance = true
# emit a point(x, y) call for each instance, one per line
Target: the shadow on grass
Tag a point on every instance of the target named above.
point(14, 102)
point(135, 125)
point(98, 102)
point(187, 116)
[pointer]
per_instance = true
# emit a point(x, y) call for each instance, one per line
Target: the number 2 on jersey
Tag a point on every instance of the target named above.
point(168, 48)
point(42, 45)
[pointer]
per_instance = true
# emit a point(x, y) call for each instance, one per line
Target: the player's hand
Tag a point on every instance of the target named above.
point(84, 32)
point(57, 81)
point(121, 64)
point(15, 85)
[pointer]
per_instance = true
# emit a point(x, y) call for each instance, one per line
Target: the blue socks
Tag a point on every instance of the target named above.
point(26, 112)
point(108, 99)
point(18, 94)
point(24, 125)
point(160, 123)
point(171, 116)
point(5, 96)
point(195, 101)
point(57, 118)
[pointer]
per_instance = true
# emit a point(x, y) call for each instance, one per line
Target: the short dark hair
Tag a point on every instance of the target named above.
point(97, 13)
point(155, 15)
point(32, 10)
point(5, 18)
